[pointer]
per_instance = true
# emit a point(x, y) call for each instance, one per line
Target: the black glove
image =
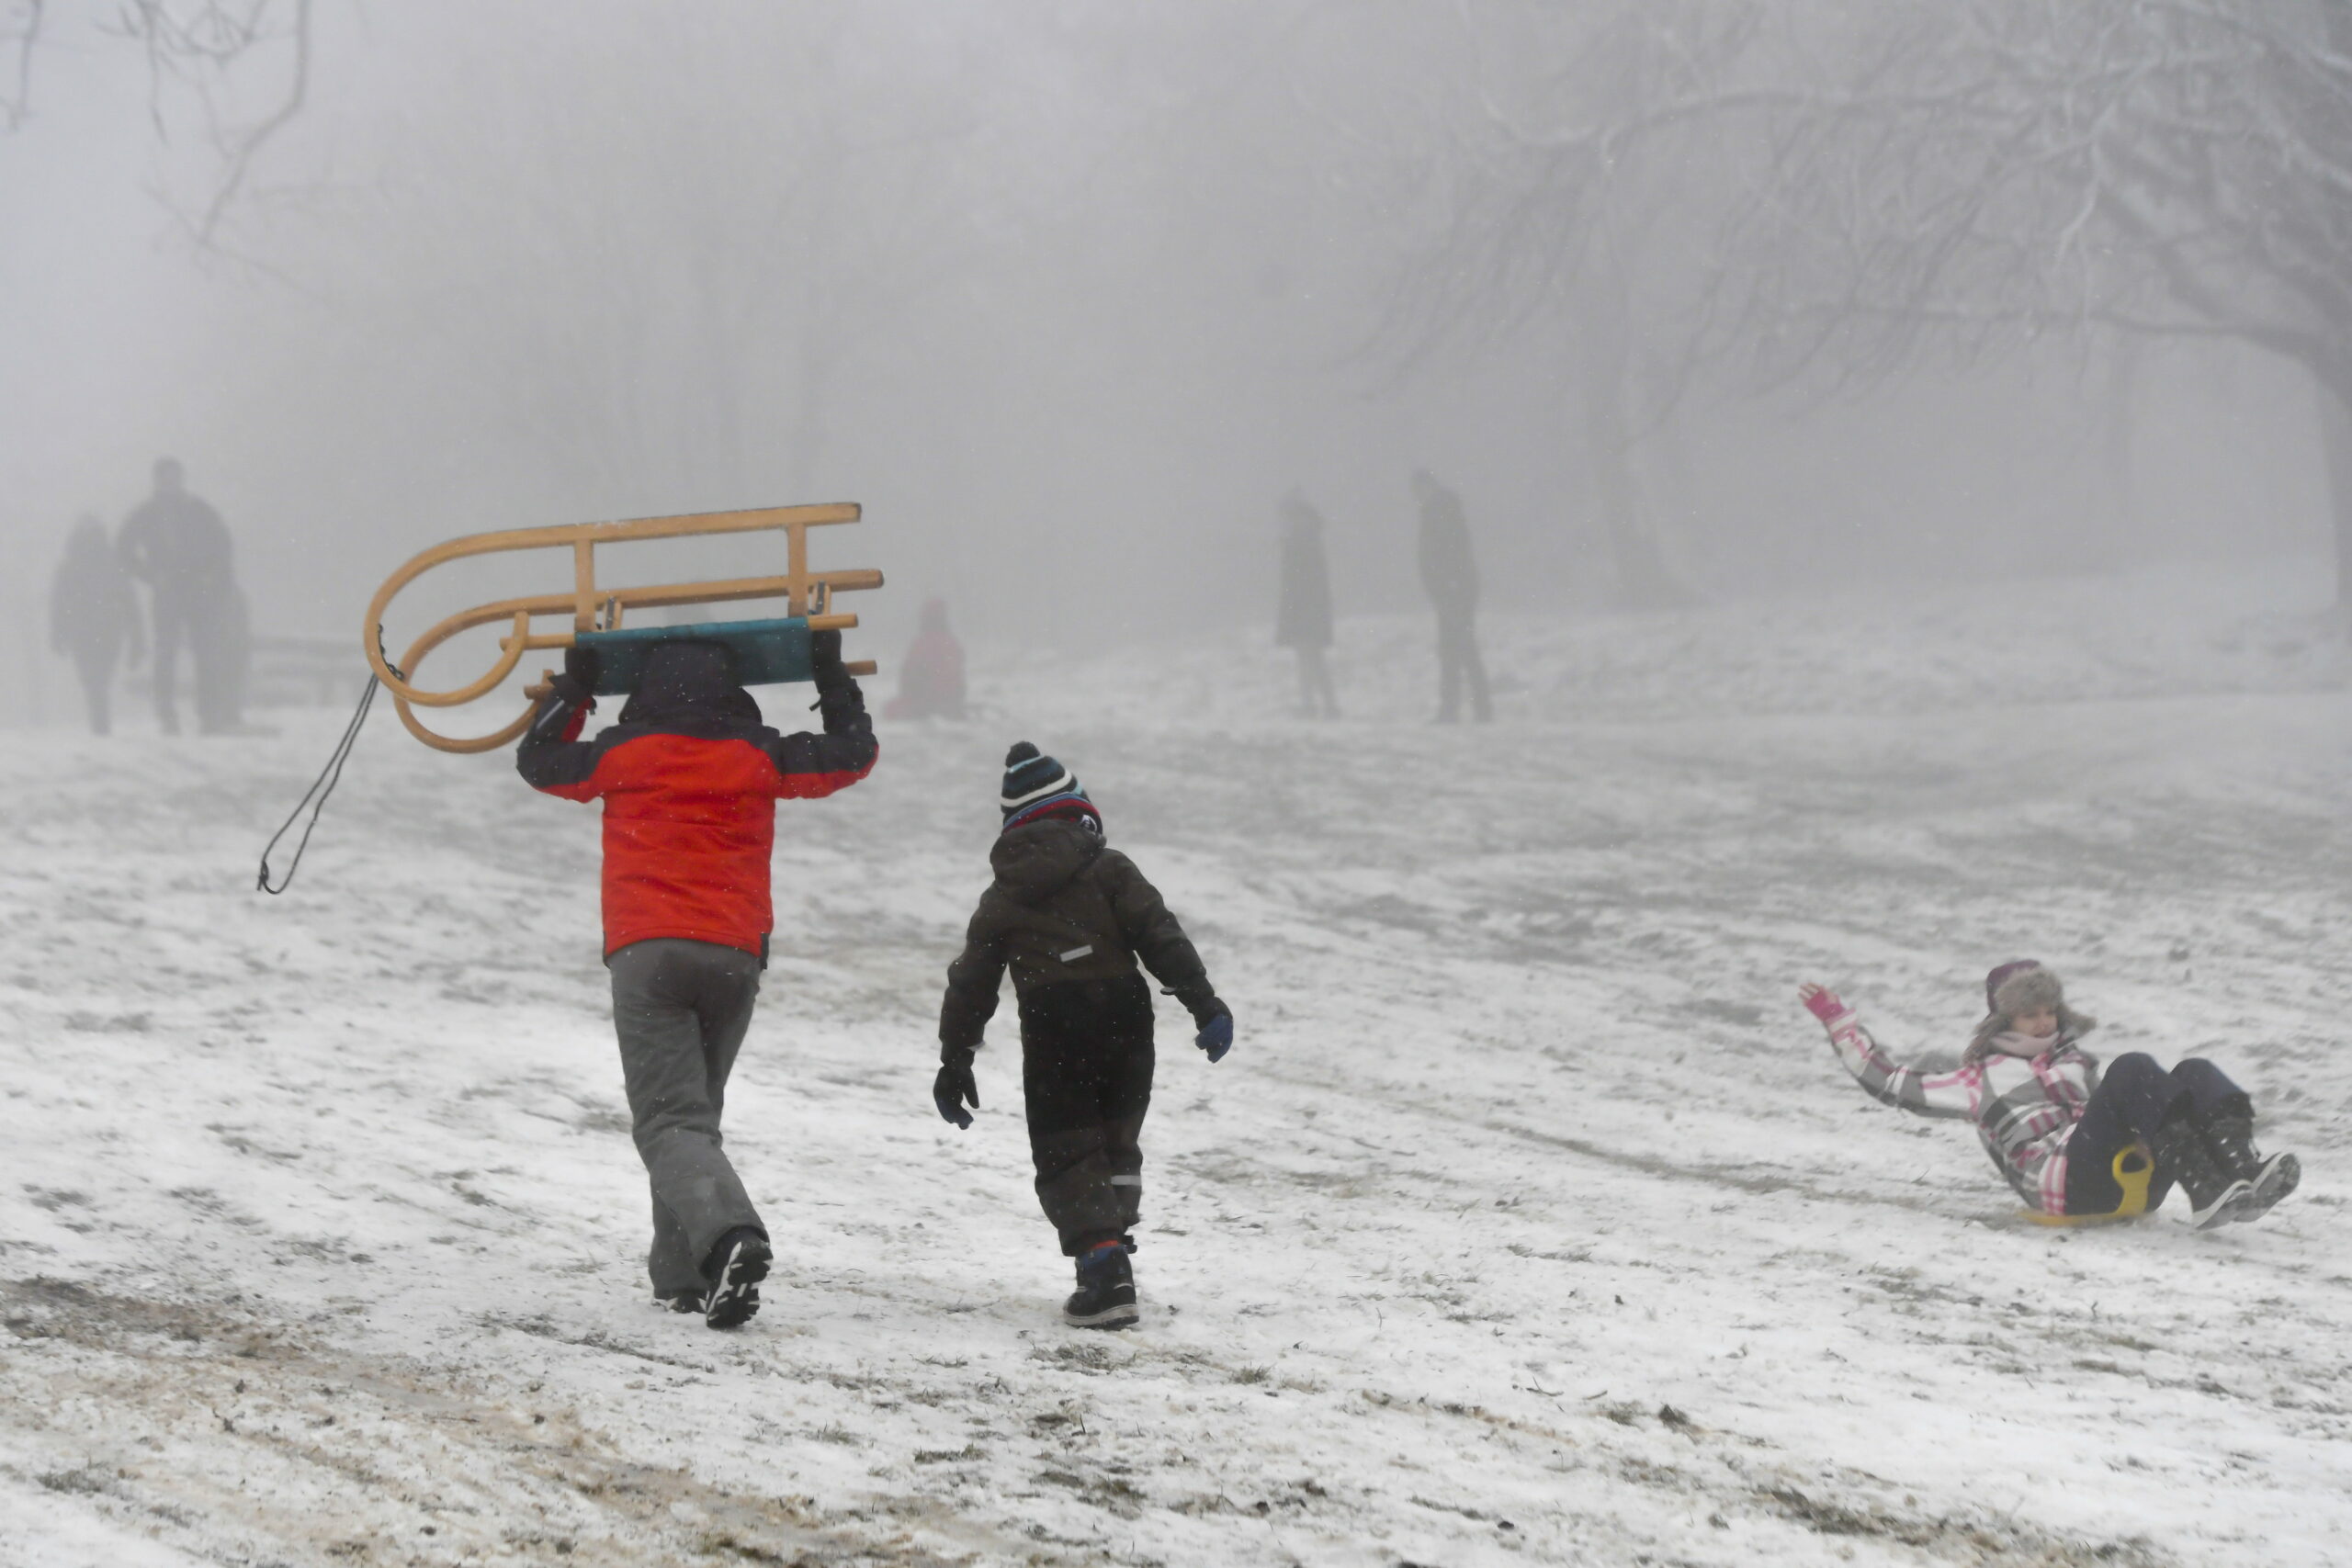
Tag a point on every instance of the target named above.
point(825, 657)
point(955, 1087)
point(577, 684)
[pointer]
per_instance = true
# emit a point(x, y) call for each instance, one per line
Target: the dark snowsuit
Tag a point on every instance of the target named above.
point(1069, 918)
point(690, 777)
point(180, 548)
point(1303, 617)
point(1449, 574)
point(92, 611)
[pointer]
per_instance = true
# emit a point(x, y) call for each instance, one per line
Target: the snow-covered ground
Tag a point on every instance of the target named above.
point(1530, 1220)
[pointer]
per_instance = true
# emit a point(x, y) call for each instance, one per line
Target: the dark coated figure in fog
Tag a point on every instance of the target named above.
point(690, 777)
point(1450, 576)
point(931, 682)
point(179, 548)
point(1303, 617)
point(92, 612)
point(1069, 916)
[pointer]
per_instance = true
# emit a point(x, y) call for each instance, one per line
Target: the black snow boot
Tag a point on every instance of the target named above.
point(680, 1301)
point(2230, 1138)
point(740, 1262)
point(2215, 1195)
point(1105, 1297)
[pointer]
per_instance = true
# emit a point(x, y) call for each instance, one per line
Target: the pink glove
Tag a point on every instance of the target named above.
point(1823, 1004)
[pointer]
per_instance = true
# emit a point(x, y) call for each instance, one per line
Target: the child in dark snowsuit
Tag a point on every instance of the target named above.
point(92, 612)
point(690, 777)
point(2054, 1123)
point(1069, 918)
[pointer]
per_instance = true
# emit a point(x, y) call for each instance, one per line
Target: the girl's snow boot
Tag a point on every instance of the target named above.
point(2215, 1195)
point(1105, 1297)
point(2267, 1179)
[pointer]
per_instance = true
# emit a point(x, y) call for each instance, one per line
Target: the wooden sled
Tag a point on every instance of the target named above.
point(2133, 1167)
point(765, 650)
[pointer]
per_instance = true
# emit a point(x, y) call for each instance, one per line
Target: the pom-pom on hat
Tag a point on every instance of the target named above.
point(1037, 787)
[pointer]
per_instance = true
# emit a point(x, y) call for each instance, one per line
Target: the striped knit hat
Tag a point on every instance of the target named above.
point(1037, 787)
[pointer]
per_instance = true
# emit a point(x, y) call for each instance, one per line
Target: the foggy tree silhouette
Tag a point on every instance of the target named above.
point(201, 50)
point(1568, 235)
point(1883, 185)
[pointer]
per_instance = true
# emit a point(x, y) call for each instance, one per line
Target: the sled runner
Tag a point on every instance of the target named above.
point(2133, 1167)
point(764, 650)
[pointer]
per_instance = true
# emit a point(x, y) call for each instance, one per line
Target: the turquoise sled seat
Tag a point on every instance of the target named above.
point(765, 652)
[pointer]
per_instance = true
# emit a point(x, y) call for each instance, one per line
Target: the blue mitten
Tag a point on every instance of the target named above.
point(1217, 1035)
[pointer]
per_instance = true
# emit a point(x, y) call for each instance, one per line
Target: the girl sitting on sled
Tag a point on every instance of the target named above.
point(2061, 1129)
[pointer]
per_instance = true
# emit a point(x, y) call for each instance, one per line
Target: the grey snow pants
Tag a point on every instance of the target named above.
point(1458, 660)
point(680, 1009)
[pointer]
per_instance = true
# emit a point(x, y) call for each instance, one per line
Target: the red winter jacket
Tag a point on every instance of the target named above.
point(690, 777)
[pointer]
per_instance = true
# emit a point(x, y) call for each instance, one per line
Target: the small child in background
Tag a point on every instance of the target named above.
point(1069, 916)
point(931, 678)
point(2053, 1123)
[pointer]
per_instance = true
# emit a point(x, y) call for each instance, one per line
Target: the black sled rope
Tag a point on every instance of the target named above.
point(315, 797)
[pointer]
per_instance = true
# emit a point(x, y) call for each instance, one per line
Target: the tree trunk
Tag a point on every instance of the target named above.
point(2335, 441)
point(1643, 579)
point(2117, 429)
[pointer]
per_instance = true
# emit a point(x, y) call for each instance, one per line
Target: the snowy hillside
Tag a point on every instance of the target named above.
point(1531, 1219)
point(2169, 632)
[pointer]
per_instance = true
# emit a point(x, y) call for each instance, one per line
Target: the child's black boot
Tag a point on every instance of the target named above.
point(1105, 1297)
point(2215, 1195)
point(2229, 1136)
point(738, 1264)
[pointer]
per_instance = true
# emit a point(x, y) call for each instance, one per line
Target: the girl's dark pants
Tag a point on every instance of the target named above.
point(2134, 1099)
point(1086, 1076)
point(680, 1009)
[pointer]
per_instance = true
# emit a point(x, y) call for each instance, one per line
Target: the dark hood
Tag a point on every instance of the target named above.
point(1036, 858)
point(690, 683)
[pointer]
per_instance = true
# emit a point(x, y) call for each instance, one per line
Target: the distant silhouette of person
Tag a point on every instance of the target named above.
point(1449, 574)
point(179, 548)
point(1303, 615)
point(932, 683)
point(93, 611)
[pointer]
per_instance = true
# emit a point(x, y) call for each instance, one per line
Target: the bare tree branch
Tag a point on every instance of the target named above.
point(194, 49)
point(25, 24)
point(242, 147)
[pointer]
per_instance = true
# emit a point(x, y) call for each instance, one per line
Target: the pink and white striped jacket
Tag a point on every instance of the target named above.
point(2025, 1108)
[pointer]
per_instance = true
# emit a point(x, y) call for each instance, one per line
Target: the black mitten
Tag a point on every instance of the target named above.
point(577, 684)
point(825, 659)
point(955, 1087)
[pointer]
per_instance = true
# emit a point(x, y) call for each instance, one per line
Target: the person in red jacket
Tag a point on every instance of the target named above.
point(931, 681)
point(690, 777)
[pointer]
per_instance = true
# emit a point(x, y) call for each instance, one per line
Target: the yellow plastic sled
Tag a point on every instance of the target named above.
point(2135, 1166)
